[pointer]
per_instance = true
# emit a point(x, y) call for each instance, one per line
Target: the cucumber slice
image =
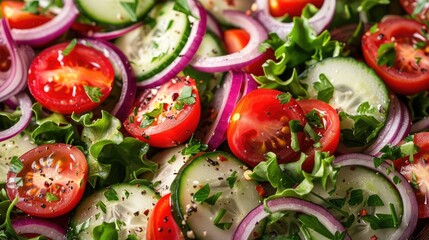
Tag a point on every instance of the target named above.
point(211, 46)
point(15, 146)
point(115, 12)
point(358, 192)
point(154, 46)
point(198, 219)
point(130, 212)
point(354, 84)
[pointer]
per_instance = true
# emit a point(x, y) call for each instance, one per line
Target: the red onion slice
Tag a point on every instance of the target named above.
point(405, 127)
point(245, 230)
point(13, 80)
point(113, 34)
point(185, 56)
point(25, 104)
point(318, 22)
point(50, 30)
point(410, 212)
point(39, 226)
point(121, 64)
point(389, 131)
point(420, 125)
point(213, 129)
point(249, 84)
point(237, 60)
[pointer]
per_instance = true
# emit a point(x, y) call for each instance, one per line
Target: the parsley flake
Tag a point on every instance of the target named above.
point(67, 50)
point(218, 218)
point(51, 197)
point(186, 97)
point(94, 93)
point(386, 54)
point(111, 195)
point(16, 165)
point(325, 89)
point(284, 98)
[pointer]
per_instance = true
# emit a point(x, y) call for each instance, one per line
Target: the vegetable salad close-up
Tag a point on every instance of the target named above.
point(214, 119)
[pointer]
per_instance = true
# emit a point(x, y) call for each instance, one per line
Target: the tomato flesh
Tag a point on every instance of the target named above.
point(408, 75)
point(172, 126)
point(237, 39)
point(260, 124)
point(417, 172)
point(161, 223)
point(60, 83)
point(329, 134)
point(51, 182)
point(292, 8)
point(19, 19)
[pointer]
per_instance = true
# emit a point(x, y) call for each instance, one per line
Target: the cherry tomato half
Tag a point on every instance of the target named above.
point(417, 172)
point(409, 73)
point(293, 8)
point(51, 182)
point(329, 132)
point(161, 224)
point(19, 19)
point(167, 115)
point(410, 6)
point(260, 123)
point(75, 82)
point(237, 39)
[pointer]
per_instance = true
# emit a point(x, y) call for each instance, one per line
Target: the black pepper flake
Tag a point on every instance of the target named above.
point(212, 162)
point(136, 213)
point(42, 205)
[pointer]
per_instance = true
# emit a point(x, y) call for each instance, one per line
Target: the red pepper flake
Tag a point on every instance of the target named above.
point(222, 158)
point(146, 212)
point(363, 212)
point(373, 237)
point(261, 191)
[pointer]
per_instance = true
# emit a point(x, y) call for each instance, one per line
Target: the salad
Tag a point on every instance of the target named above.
point(185, 119)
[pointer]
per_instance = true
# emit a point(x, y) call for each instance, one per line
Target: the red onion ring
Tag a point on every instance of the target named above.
point(14, 80)
point(405, 127)
point(25, 104)
point(390, 129)
point(120, 62)
point(249, 84)
point(185, 56)
point(112, 34)
point(420, 125)
point(410, 213)
point(39, 226)
point(318, 22)
point(213, 133)
point(214, 26)
point(242, 58)
point(49, 31)
point(245, 229)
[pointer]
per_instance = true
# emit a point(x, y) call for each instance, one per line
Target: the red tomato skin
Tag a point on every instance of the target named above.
point(404, 165)
point(330, 133)
point(59, 169)
point(260, 124)
point(19, 19)
point(161, 224)
point(409, 6)
point(237, 39)
point(406, 77)
point(57, 82)
point(293, 8)
point(174, 130)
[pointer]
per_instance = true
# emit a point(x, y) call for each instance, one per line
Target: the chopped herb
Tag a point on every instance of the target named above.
point(419, 45)
point(111, 195)
point(378, 161)
point(374, 28)
point(51, 197)
point(394, 215)
point(311, 133)
point(147, 121)
point(202, 195)
point(295, 127)
point(16, 165)
point(94, 93)
point(218, 218)
point(149, 117)
point(172, 159)
point(339, 236)
point(182, 6)
point(420, 6)
point(284, 97)
point(379, 221)
point(365, 108)
point(131, 8)
point(102, 206)
point(348, 223)
point(374, 201)
point(119, 224)
point(396, 180)
point(310, 221)
point(31, 7)
point(386, 54)
point(105, 231)
point(325, 89)
point(338, 202)
point(132, 237)
point(67, 50)
point(314, 119)
point(170, 24)
point(127, 194)
point(231, 179)
point(186, 97)
point(356, 197)
point(194, 146)
point(414, 182)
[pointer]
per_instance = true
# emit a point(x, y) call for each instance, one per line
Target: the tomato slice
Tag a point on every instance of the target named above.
point(260, 123)
point(417, 172)
point(17, 18)
point(410, 5)
point(161, 224)
point(162, 117)
point(77, 82)
point(408, 75)
point(237, 39)
point(279, 8)
point(329, 133)
point(51, 182)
